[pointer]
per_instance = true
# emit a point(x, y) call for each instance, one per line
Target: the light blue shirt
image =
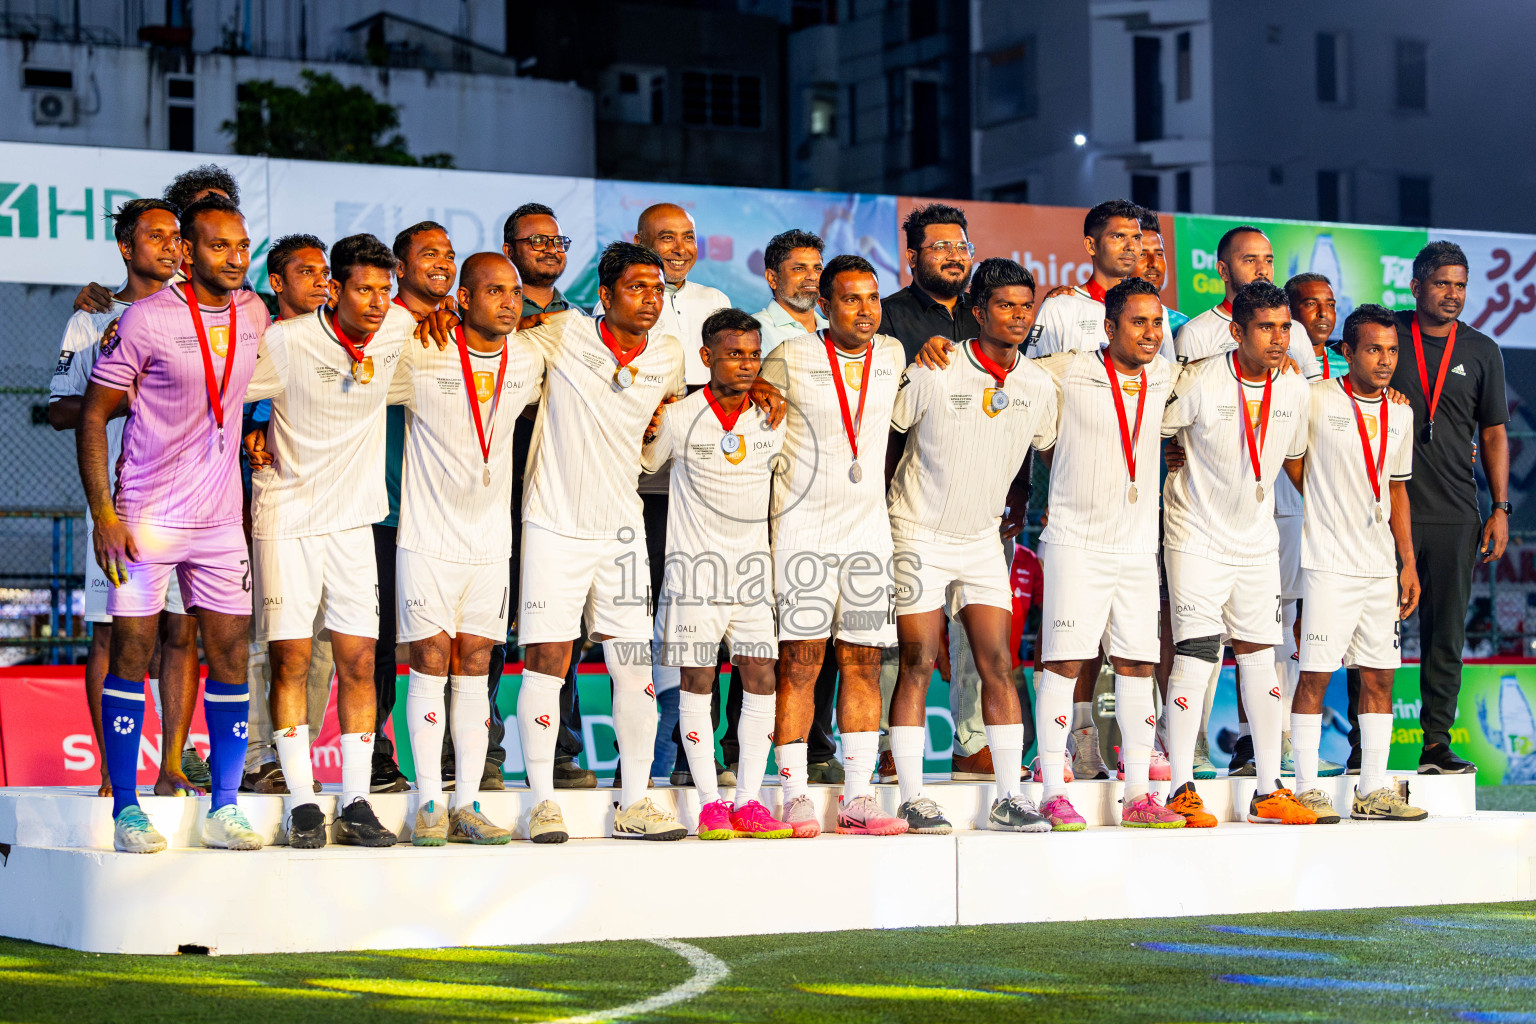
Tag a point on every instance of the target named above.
point(779, 326)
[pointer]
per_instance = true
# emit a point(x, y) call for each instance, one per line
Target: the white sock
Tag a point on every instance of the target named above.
point(1243, 728)
point(754, 735)
point(1134, 715)
point(1186, 691)
point(357, 765)
point(1306, 737)
point(1082, 713)
point(471, 736)
point(424, 715)
point(1286, 665)
point(792, 774)
point(1375, 747)
point(1262, 698)
point(538, 727)
point(634, 720)
point(698, 732)
point(1007, 743)
point(1053, 706)
point(860, 752)
point(907, 751)
point(298, 771)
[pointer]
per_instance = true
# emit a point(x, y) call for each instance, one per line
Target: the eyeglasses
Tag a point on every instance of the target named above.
point(945, 248)
point(559, 243)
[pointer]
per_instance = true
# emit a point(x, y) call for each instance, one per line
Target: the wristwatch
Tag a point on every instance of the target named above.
point(1505, 507)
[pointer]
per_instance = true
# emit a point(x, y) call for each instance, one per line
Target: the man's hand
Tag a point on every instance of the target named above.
point(1495, 536)
point(437, 326)
point(533, 320)
point(1045, 517)
point(1408, 591)
point(1396, 397)
point(935, 353)
point(115, 548)
point(255, 444)
point(1173, 455)
point(1289, 365)
point(1061, 289)
point(93, 298)
point(110, 332)
point(767, 398)
point(1013, 523)
point(655, 424)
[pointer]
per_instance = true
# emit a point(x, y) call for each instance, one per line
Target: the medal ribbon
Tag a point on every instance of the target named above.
point(1373, 471)
point(354, 348)
point(623, 358)
point(1127, 438)
point(998, 373)
point(481, 433)
point(216, 389)
point(1445, 362)
point(1255, 449)
point(727, 420)
point(850, 423)
point(1094, 289)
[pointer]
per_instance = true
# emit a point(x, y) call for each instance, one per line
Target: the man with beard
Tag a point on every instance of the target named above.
point(792, 268)
point(1153, 267)
point(934, 304)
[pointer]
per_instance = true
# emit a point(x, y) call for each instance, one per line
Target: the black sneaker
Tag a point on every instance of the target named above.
point(1241, 766)
point(1438, 759)
point(449, 776)
point(357, 825)
point(825, 773)
point(923, 817)
point(1352, 766)
point(387, 777)
point(570, 775)
point(679, 777)
point(618, 779)
point(306, 827)
point(266, 779)
point(492, 779)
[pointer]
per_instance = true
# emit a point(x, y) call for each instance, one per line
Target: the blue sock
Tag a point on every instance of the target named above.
point(226, 708)
point(122, 722)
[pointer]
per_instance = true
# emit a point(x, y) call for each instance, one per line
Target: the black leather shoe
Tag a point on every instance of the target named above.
point(386, 777)
point(306, 827)
point(570, 775)
point(357, 825)
point(1241, 766)
point(1438, 759)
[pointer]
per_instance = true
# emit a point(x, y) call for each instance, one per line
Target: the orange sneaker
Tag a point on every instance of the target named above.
point(1279, 807)
point(1187, 802)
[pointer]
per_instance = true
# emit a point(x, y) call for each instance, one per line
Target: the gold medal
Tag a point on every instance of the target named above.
point(1378, 513)
point(362, 370)
point(487, 476)
point(1258, 494)
point(1130, 495)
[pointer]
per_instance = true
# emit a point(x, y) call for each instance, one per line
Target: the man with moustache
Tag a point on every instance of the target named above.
point(1243, 256)
point(934, 305)
point(792, 268)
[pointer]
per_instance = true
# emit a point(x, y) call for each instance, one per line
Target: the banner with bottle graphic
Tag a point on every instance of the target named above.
point(1495, 727)
point(1364, 263)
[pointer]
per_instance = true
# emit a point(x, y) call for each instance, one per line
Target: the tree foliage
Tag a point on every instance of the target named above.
point(324, 120)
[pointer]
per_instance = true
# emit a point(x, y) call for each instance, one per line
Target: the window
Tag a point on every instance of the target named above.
point(1329, 206)
point(1018, 192)
point(46, 78)
point(926, 135)
point(180, 135)
point(1007, 87)
point(1332, 68)
point(1184, 69)
point(1183, 200)
point(1413, 201)
point(922, 18)
point(806, 13)
point(1412, 68)
point(1147, 73)
point(722, 100)
point(822, 107)
point(633, 95)
point(179, 88)
point(1146, 191)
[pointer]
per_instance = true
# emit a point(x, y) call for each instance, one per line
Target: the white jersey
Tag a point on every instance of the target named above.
point(1211, 506)
point(1339, 530)
point(77, 354)
point(326, 434)
point(720, 488)
point(584, 460)
point(1075, 321)
point(1210, 334)
point(683, 313)
point(1090, 484)
point(447, 508)
point(817, 506)
point(962, 452)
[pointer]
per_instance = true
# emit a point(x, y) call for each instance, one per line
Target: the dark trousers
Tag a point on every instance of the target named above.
point(818, 742)
point(1446, 555)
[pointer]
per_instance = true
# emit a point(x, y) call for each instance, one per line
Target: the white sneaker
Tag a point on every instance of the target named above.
point(545, 824)
point(800, 814)
point(228, 829)
point(132, 832)
point(644, 820)
point(1087, 759)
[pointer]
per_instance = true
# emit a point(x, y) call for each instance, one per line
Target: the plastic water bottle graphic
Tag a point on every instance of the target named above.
point(1325, 261)
point(1515, 733)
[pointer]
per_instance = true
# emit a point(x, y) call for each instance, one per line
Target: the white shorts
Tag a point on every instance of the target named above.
point(434, 596)
point(847, 595)
point(605, 580)
point(306, 582)
point(932, 573)
point(1210, 598)
point(97, 588)
point(211, 566)
point(1349, 620)
point(1290, 556)
point(1096, 598)
point(691, 632)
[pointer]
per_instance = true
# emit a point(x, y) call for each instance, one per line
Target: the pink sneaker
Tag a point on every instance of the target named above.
point(1034, 771)
point(1063, 816)
point(1147, 811)
point(715, 821)
point(754, 822)
point(862, 816)
point(1159, 771)
point(800, 815)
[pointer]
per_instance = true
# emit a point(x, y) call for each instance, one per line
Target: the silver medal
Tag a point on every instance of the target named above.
point(1130, 495)
point(999, 401)
point(855, 472)
point(1258, 493)
point(1378, 513)
point(730, 443)
point(625, 377)
point(487, 475)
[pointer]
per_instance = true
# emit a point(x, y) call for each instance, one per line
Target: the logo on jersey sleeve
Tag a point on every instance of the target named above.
point(65, 358)
point(485, 385)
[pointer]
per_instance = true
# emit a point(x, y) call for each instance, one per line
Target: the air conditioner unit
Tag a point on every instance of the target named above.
point(53, 106)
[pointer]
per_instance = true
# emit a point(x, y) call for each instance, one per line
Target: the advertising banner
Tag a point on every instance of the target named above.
point(1364, 264)
point(1046, 240)
point(1501, 284)
point(1495, 728)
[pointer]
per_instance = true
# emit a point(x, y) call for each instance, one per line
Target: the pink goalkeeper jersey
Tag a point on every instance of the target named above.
point(172, 472)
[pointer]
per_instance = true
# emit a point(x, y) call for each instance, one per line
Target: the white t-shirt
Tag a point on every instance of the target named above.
point(1339, 531)
point(961, 454)
point(1210, 506)
point(717, 518)
point(77, 354)
point(1074, 321)
point(584, 461)
point(447, 510)
point(326, 434)
point(1090, 484)
point(816, 505)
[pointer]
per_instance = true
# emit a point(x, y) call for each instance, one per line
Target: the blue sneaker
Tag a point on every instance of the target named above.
point(132, 832)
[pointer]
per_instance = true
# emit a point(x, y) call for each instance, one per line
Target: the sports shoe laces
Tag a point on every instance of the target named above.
point(1023, 803)
point(650, 812)
point(926, 807)
point(545, 813)
point(863, 806)
point(134, 820)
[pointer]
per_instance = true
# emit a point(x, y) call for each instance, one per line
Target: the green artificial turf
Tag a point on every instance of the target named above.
point(1465, 963)
point(1506, 798)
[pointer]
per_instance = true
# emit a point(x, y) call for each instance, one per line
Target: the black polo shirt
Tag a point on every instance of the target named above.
point(912, 316)
point(1443, 488)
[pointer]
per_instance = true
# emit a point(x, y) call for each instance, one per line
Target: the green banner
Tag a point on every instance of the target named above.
point(1495, 728)
point(1364, 264)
